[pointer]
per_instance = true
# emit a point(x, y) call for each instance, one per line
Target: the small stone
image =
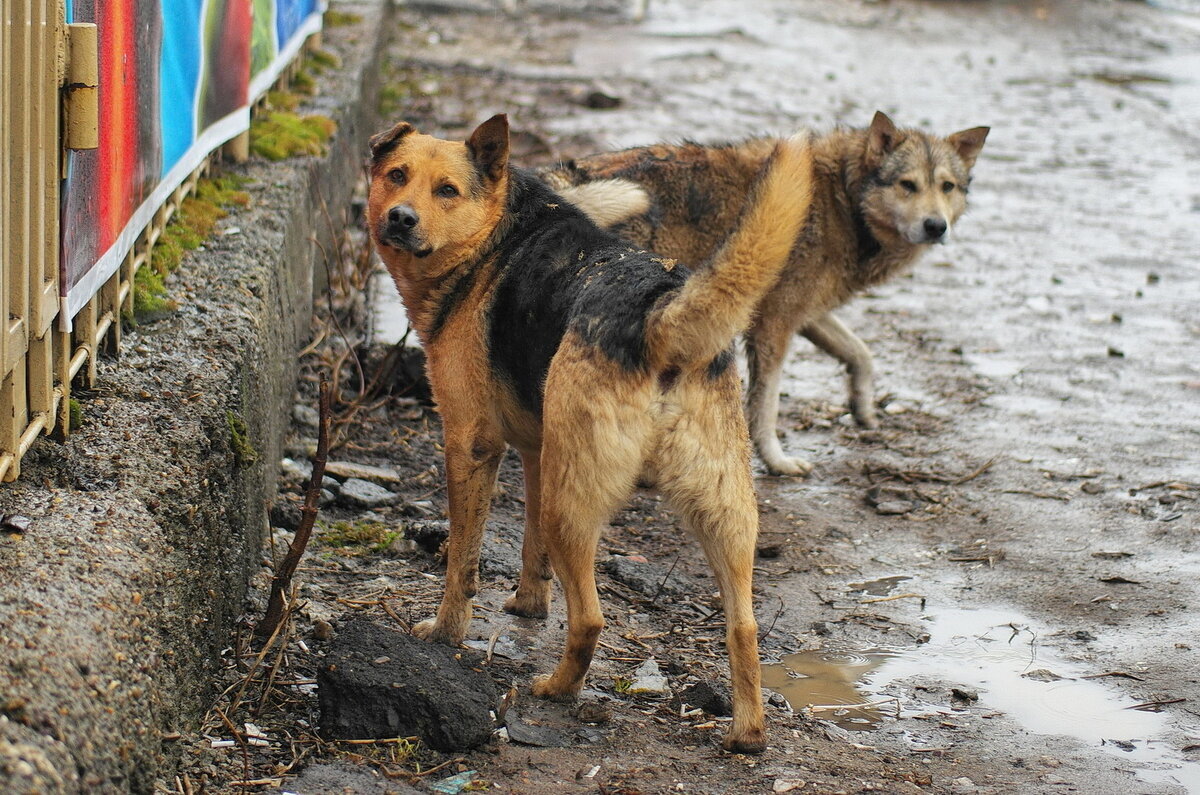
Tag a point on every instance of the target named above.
point(285, 514)
point(711, 697)
point(322, 630)
point(345, 469)
point(964, 694)
point(537, 736)
point(293, 471)
point(821, 628)
point(963, 784)
point(429, 535)
point(1092, 487)
point(787, 784)
point(601, 100)
point(327, 497)
point(649, 679)
point(357, 493)
point(770, 551)
point(381, 660)
point(1041, 675)
point(893, 508)
point(1049, 761)
point(1083, 635)
point(306, 415)
point(330, 485)
point(779, 701)
point(648, 579)
point(15, 523)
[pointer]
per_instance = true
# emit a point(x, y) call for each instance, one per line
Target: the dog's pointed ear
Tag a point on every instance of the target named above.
point(488, 146)
point(968, 143)
point(882, 138)
point(386, 141)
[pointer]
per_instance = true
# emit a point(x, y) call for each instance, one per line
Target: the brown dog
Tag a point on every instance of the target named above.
point(882, 196)
point(599, 362)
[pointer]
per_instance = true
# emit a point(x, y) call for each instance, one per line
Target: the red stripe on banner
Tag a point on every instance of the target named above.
point(118, 117)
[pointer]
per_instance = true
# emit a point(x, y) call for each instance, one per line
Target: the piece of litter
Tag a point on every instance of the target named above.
point(589, 774)
point(223, 743)
point(452, 785)
point(649, 679)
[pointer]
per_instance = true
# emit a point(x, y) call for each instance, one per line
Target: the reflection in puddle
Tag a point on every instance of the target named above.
point(989, 651)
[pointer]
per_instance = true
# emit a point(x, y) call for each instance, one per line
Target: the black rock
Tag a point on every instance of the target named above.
point(712, 697)
point(379, 683)
point(429, 535)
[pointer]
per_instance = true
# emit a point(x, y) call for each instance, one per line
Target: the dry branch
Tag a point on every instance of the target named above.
point(281, 583)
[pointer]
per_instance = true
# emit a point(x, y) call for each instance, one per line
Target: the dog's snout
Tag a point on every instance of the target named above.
point(405, 216)
point(935, 228)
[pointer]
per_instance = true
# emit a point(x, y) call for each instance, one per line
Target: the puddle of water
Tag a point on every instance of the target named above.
point(989, 651)
point(828, 679)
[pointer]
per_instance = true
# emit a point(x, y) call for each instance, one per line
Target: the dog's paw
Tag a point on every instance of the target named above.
point(787, 465)
point(863, 412)
point(529, 607)
point(753, 741)
point(430, 631)
point(546, 686)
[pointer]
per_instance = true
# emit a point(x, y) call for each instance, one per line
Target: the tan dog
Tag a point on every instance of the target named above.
point(882, 197)
point(599, 362)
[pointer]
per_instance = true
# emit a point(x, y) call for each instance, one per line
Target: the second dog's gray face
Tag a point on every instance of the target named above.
point(920, 185)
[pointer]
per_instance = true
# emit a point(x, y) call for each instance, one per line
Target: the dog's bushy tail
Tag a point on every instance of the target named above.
point(607, 202)
point(718, 301)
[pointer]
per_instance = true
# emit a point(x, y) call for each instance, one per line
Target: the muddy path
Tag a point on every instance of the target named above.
point(1051, 345)
point(1022, 616)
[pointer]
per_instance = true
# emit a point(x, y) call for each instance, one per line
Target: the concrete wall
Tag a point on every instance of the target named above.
point(147, 524)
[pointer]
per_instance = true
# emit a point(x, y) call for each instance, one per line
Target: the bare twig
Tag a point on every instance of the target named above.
point(283, 575)
point(778, 613)
point(894, 598)
point(241, 741)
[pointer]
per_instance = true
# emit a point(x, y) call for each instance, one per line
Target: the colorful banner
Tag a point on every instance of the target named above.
point(177, 78)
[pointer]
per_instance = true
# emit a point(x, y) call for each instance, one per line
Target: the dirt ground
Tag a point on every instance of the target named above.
point(1028, 622)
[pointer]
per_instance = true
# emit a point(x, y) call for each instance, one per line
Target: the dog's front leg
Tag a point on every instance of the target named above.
point(472, 458)
point(532, 598)
point(831, 335)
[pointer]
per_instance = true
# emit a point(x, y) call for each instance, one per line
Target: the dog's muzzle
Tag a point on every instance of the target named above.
point(934, 229)
point(401, 229)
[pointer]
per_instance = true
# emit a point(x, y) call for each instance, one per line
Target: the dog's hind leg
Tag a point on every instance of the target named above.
point(592, 452)
point(472, 457)
point(532, 598)
point(831, 335)
point(766, 349)
point(705, 474)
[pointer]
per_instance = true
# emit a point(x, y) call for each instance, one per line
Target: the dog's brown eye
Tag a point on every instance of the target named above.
point(908, 185)
point(397, 175)
point(947, 187)
point(447, 191)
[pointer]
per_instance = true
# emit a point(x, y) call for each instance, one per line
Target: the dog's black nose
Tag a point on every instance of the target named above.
point(934, 228)
point(405, 216)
